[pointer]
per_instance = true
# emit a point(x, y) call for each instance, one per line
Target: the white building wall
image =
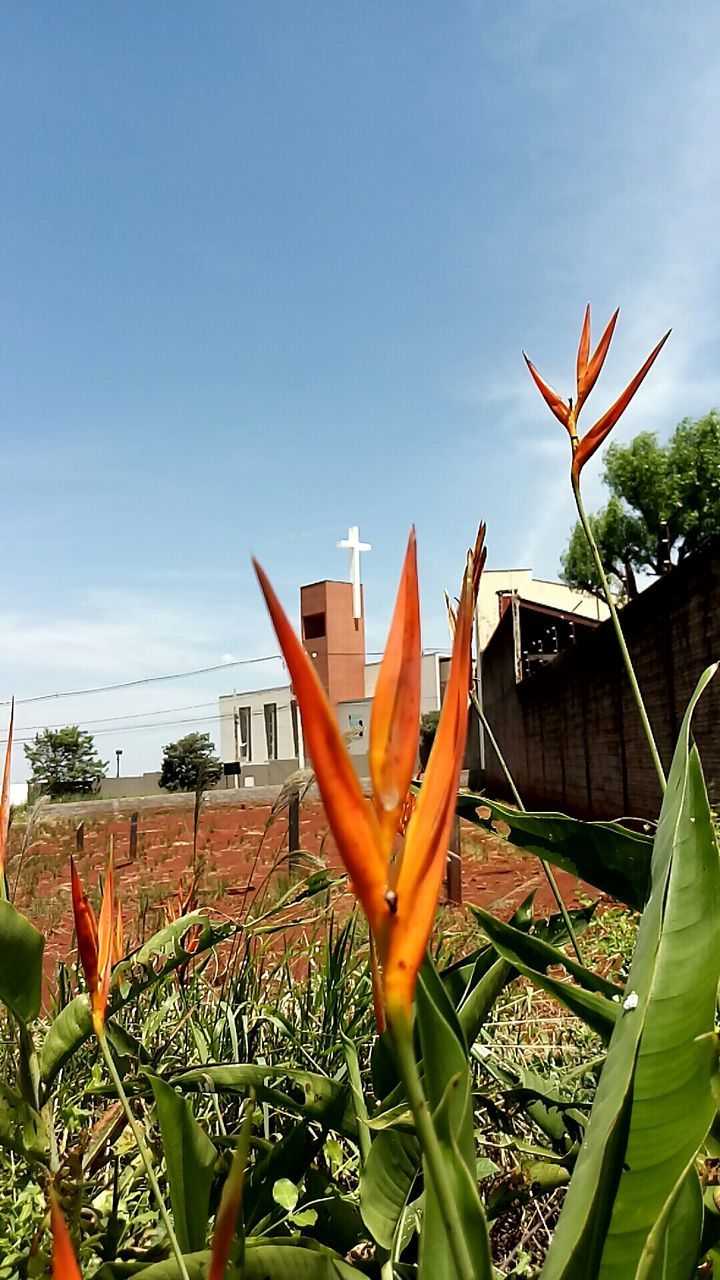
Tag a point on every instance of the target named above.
point(256, 701)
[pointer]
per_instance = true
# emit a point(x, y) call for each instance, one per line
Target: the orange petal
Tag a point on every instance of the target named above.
point(5, 797)
point(395, 720)
point(451, 613)
point(551, 398)
point(106, 944)
point(592, 372)
point(479, 556)
point(425, 850)
point(230, 1201)
point(118, 950)
point(86, 930)
point(377, 989)
point(595, 436)
point(583, 354)
point(64, 1263)
point(351, 818)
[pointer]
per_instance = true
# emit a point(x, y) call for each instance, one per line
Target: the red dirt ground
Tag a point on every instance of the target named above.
point(493, 873)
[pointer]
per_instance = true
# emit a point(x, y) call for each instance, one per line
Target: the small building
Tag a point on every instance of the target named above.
point(498, 586)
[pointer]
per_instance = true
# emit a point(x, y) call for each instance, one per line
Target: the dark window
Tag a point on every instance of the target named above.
point(270, 710)
point(295, 728)
point(314, 626)
point(243, 743)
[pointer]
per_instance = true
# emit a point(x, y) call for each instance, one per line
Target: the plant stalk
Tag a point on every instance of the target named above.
point(401, 1032)
point(516, 796)
point(144, 1154)
point(647, 727)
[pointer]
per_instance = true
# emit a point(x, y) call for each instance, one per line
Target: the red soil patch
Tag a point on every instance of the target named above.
point(235, 865)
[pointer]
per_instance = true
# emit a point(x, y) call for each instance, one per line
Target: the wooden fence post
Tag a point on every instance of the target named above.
point(133, 835)
point(453, 870)
point(293, 829)
point(80, 837)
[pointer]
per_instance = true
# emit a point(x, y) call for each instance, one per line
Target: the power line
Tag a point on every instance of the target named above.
point(133, 684)
point(150, 724)
point(183, 675)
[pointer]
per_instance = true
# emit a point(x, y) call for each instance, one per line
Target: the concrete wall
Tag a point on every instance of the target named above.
point(553, 594)
point(570, 732)
point(256, 701)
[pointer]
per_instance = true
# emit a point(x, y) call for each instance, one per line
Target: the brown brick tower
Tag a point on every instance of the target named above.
point(334, 639)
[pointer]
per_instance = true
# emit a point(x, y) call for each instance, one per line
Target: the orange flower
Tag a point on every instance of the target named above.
point(64, 1263)
point(398, 895)
point(588, 370)
point(97, 944)
point(5, 801)
point(187, 902)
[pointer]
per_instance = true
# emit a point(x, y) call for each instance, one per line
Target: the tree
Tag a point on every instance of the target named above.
point(623, 542)
point(665, 502)
point(65, 762)
point(190, 764)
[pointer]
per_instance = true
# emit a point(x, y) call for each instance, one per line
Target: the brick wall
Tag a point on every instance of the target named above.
point(570, 732)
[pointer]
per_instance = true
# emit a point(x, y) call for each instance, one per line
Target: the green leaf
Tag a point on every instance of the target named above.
point(190, 1160)
point(654, 1103)
point(263, 1261)
point(318, 1097)
point(286, 1194)
point(22, 1128)
point(291, 1158)
point(604, 854)
point(73, 1025)
point(386, 1183)
point(448, 1088)
point(539, 955)
point(671, 1251)
point(21, 953)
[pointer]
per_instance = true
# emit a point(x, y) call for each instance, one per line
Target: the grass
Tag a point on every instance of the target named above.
point(289, 994)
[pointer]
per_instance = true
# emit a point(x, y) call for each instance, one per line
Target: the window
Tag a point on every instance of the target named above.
point(295, 728)
point(270, 710)
point(243, 740)
point(314, 626)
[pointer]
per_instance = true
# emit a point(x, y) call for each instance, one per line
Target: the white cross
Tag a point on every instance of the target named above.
point(353, 544)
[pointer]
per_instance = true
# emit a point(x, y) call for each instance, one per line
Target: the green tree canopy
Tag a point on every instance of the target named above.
point(190, 763)
point(665, 502)
point(65, 762)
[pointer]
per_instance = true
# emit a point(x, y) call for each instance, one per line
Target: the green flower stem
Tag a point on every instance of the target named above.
point(620, 637)
point(401, 1032)
point(516, 796)
point(144, 1153)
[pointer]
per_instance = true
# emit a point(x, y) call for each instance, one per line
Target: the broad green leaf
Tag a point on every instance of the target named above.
point(386, 1183)
point(539, 955)
point(654, 1103)
point(462, 1179)
point(290, 1158)
point(607, 855)
point(21, 953)
point(318, 1097)
point(671, 1251)
point(73, 1025)
point(189, 1159)
point(448, 1088)
point(263, 1261)
point(22, 1128)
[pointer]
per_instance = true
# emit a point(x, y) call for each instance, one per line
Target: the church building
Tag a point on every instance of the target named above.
point(260, 731)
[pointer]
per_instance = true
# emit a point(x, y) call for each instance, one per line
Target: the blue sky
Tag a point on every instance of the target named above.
point(266, 269)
